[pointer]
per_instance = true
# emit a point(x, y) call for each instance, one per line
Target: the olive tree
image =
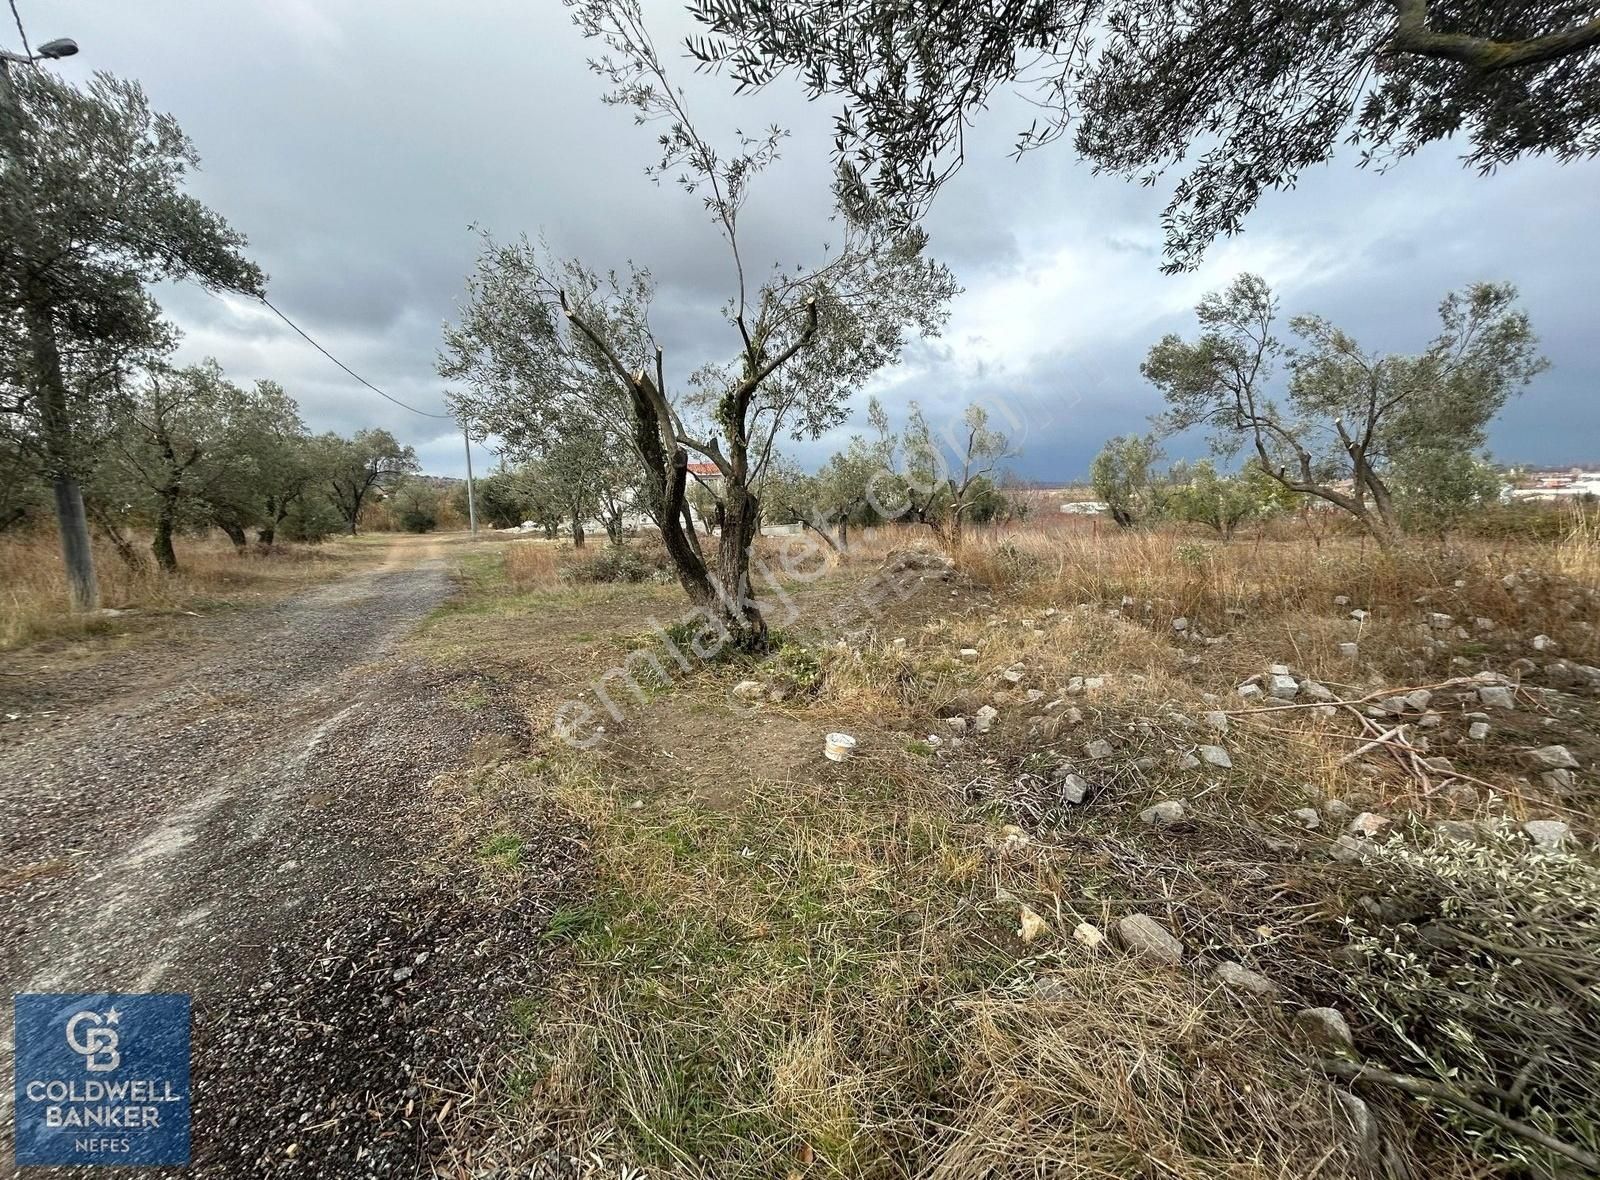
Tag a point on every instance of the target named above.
point(1243, 95)
point(1347, 416)
point(1123, 475)
point(948, 481)
point(92, 209)
point(541, 338)
point(352, 467)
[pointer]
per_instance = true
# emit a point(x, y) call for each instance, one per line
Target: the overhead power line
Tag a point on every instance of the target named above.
point(304, 335)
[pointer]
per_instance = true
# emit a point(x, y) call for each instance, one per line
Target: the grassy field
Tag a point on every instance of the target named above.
point(789, 966)
point(33, 586)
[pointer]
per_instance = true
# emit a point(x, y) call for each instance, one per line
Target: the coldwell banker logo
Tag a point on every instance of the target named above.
point(102, 1079)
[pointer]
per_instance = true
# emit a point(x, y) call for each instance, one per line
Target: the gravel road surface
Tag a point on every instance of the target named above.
point(242, 813)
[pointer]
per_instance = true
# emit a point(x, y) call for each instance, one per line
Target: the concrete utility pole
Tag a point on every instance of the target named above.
point(55, 422)
point(472, 501)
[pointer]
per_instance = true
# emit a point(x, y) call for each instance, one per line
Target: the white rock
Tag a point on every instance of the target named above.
point(1180, 624)
point(956, 725)
point(1325, 1027)
point(1341, 600)
point(1307, 817)
point(1249, 692)
point(1418, 699)
point(1349, 651)
point(1188, 762)
point(1440, 621)
point(1497, 696)
point(1369, 823)
point(1169, 812)
point(1033, 695)
point(1347, 848)
point(969, 655)
point(1241, 979)
point(749, 690)
point(983, 720)
point(1099, 749)
point(1216, 756)
point(1558, 780)
point(1478, 730)
point(1088, 934)
point(1144, 936)
point(1011, 676)
point(1278, 670)
point(1543, 643)
point(1316, 691)
point(1283, 687)
point(1553, 758)
point(1074, 788)
point(1217, 720)
point(1549, 835)
point(1359, 616)
point(1093, 683)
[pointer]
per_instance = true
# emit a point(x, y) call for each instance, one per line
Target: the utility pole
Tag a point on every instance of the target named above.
point(472, 501)
point(50, 386)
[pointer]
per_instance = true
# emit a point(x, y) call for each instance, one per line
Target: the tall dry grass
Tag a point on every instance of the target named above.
point(33, 583)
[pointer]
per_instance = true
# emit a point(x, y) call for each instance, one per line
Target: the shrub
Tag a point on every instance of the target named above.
point(618, 563)
point(1491, 989)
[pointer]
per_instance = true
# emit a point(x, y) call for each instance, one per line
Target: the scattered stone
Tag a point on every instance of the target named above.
point(1335, 808)
point(1216, 756)
point(1307, 817)
point(1317, 692)
point(1283, 687)
point(1144, 936)
point(1188, 762)
point(1369, 823)
point(1430, 720)
point(1456, 831)
point(984, 719)
point(1439, 765)
point(1145, 764)
point(1324, 1027)
point(1030, 925)
point(1418, 700)
point(1099, 749)
point(1558, 780)
point(1278, 670)
point(1217, 720)
point(1497, 696)
point(1011, 676)
point(1440, 622)
point(1483, 624)
point(749, 690)
point(1033, 696)
point(1347, 849)
point(1074, 788)
point(1460, 794)
point(969, 655)
point(1366, 1142)
point(1349, 651)
point(1341, 600)
point(956, 725)
point(1241, 979)
point(1249, 692)
point(1088, 934)
point(1093, 683)
point(1359, 616)
point(1553, 758)
point(1543, 643)
point(1163, 814)
point(1548, 835)
point(1180, 624)
point(899, 643)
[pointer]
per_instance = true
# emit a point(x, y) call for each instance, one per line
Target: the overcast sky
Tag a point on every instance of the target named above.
point(356, 142)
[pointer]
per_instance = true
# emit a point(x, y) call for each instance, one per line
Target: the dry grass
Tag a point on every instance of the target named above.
point(789, 967)
point(33, 586)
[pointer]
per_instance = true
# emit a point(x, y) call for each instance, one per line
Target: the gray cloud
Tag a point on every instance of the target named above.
point(356, 144)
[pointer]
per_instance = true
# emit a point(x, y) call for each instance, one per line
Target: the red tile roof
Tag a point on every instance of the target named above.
point(703, 469)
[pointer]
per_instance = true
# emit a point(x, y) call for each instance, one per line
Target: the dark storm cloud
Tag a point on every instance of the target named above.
point(357, 144)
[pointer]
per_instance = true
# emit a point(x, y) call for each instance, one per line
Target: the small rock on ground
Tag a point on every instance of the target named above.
point(1144, 936)
point(1550, 835)
point(1241, 979)
point(1324, 1027)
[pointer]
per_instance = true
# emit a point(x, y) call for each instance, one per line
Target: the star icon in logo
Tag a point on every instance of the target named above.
point(112, 1015)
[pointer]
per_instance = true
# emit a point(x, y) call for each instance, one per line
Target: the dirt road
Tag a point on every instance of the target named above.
point(240, 814)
